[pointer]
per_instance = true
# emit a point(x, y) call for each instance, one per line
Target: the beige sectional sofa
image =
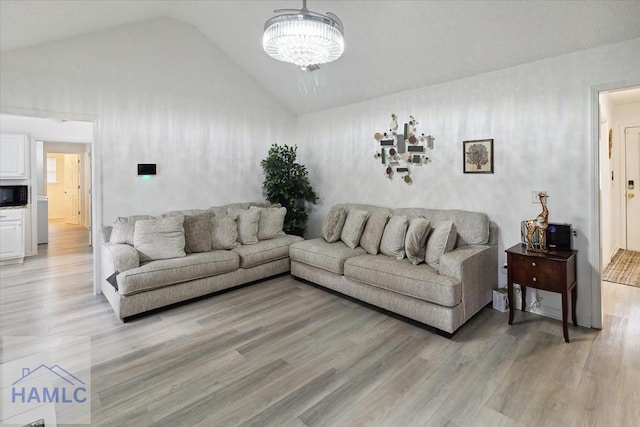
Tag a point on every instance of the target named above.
point(151, 262)
point(453, 283)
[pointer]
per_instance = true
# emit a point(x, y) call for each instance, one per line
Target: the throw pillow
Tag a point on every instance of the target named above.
point(392, 243)
point(271, 222)
point(197, 232)
point(159, 238)
point(122, 231)
point(248, 221)
point(353, 227)
point(333, 223)
point(415, 242)
point(224, 232)
point(370, 240)
point(442, 240)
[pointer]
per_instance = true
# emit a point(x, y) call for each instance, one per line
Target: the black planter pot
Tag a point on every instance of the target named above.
point(296, 231)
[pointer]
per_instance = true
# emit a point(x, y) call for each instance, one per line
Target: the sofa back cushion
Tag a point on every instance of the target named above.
point(123, 227)
point(373, 230)
point(392, 243)
point(197, 229)
point(472, 227)
point(353, 227)
point(159, 238)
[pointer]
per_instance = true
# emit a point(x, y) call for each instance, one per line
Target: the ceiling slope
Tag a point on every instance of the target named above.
point(391, 46)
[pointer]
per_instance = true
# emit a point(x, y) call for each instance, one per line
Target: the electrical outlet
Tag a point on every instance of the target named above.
point(534, 195)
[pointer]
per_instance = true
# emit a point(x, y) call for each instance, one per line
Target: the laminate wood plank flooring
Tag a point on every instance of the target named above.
point(284, 353)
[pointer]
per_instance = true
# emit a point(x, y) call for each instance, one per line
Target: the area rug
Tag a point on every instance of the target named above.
point(624, 268)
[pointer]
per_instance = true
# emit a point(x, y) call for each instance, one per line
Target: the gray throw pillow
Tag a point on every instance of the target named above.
point(392, 243)
point(122, 231)
point(224, 232)
point(442, 240)
point(271, 222)
point(416, 240)
point(248, 221)
point(353, 227)
point(333, 223)
point(370, 240)
point(159, 238)
point(197, 233)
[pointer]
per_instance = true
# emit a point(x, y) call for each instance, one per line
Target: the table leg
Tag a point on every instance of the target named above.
point(574, 300)
point(510, 298)
point(523, 294)
point(565, 303)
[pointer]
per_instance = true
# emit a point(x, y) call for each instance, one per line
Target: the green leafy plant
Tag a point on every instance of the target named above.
point(287, 182)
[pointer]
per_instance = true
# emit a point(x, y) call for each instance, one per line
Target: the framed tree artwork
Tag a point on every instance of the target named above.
point(477, 156)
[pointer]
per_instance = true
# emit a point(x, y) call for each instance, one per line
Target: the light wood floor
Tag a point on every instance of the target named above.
point(284, 353)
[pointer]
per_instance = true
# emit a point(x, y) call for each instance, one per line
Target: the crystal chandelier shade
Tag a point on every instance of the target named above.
point(303, 38)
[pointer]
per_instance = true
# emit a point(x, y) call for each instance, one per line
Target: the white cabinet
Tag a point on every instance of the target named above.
point(13, 156)
point(11, 236)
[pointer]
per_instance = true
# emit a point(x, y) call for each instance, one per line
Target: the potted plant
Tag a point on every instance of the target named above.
point(287, 182)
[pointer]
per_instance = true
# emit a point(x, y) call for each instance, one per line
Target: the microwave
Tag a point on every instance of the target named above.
point(14, 195)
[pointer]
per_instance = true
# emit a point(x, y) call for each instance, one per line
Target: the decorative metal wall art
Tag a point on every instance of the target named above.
point(399, 151)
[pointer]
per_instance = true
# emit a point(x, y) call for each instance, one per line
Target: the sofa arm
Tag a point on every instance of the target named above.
point(476, 266)
point(118, 257)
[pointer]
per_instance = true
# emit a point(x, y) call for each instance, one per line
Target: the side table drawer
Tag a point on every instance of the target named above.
point(536, 272)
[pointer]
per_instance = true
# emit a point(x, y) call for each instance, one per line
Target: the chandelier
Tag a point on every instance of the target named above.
point(303, 37)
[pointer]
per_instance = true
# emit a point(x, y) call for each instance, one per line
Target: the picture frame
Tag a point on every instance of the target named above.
point(477, 156)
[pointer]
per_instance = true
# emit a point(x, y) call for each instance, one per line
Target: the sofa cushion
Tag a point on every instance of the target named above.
point(417, 281)
point(271, 222)
point(224, 232)
point(372, 233)
point(197, 232)
point(157, 274)
point(416, 240)
point(265, 251)
point(333, 223)
point(442, 240)
point(353, 227)
point(392, 243)
point(159, 238)
point(123, 227)
point(322, 254)
point(472, 227)
point(248, 222)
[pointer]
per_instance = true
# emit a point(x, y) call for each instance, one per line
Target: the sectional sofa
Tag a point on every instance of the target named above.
point(438, 267)
point(151, 262)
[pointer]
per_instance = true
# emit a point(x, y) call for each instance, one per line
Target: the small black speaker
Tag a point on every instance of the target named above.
point(146, 168)
point(559, 236)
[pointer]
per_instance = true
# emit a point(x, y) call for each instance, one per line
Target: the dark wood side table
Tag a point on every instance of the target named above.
point(553, 271)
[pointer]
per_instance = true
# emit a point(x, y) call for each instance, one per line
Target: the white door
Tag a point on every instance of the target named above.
point(72, 188)
point(632, 187)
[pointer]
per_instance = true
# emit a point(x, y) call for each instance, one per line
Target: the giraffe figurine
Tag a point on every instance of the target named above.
point(539, 224)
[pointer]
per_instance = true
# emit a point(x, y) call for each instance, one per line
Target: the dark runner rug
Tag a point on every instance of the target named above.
point(624, 268)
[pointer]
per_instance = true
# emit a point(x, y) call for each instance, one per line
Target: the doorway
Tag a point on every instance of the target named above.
point(619, 164)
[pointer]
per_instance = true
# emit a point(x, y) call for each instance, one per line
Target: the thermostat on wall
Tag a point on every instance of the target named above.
point(146, 168)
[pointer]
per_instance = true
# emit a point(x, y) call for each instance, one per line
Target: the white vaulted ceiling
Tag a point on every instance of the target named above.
point(391, 46)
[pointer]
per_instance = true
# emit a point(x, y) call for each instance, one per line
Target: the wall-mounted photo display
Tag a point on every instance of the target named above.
point(477, 156)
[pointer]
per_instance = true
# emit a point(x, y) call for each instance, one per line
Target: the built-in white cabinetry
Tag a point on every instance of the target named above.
point(11, 236)
point(14, 156)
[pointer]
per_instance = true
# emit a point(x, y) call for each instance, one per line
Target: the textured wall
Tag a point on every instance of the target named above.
point(162, 93)
point(539, 116)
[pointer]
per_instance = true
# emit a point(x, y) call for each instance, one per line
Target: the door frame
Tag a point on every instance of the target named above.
point(96, 173)
point(623, 182)
point(595, 203)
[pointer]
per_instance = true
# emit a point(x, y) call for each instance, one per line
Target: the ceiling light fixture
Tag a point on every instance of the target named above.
point(303, 37)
